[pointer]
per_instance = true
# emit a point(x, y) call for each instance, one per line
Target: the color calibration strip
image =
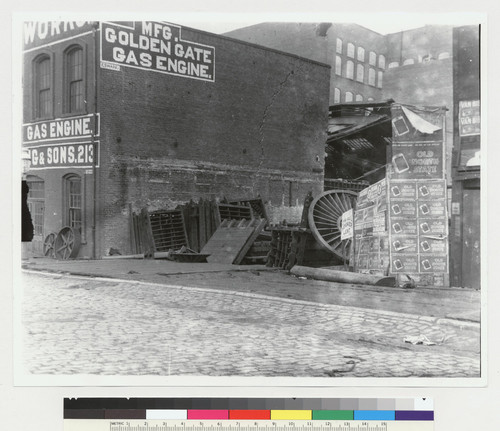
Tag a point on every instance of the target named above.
point(336, 409)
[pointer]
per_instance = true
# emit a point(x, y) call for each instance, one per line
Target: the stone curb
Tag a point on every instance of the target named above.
point(461, 324)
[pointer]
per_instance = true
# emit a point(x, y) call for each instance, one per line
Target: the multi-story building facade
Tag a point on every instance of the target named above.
point(127, 115)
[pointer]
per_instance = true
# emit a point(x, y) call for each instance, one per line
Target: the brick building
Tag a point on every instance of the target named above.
point(356, 54)
point(152, 114)
point(465, 234)
point(410, 67)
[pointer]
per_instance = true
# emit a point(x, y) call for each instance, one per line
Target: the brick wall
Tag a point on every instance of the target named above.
point(317, 41)
point(259, 129)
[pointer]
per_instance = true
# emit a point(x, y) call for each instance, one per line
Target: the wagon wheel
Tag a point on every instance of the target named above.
point(48, 244)
point(325, 220)
point(67, 243)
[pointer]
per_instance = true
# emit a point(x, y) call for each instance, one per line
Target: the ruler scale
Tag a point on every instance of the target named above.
point(210, 415)
point(104, 425)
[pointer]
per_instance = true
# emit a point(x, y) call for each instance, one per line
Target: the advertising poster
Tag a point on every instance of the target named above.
point(417, 145)
point(371, 230)
point(418, 230)
point(469, 117)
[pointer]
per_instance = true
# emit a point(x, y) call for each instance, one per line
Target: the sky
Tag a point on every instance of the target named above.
point(382, 23)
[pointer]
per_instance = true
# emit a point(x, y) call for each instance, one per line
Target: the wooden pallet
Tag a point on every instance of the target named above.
point(234, 212)
point(168, 230)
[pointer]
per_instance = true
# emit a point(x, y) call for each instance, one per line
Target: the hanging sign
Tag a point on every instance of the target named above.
point(347, 225)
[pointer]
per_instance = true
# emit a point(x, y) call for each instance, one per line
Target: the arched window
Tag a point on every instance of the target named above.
point(350, 50)
point(336, 95)
point(349, 69)
point(408, 61)
point(371, 76)
point(359, 98)
point(339, 46)
point(338, 65)
point(349, 96)
point(361, 53)
point(393, 64)
point(42, 87)
point(381, 61)
point(360, 73)
point(73, 200)
point(380, 78)
point(75, 87)
point(371, 99)
point(443, 55)
point(372, 58)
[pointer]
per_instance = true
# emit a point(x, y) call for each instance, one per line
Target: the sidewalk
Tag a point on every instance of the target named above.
point(453, 304)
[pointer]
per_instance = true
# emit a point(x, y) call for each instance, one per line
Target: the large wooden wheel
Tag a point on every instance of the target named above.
point(48, 244)
point(67, 243)
point(325, 220)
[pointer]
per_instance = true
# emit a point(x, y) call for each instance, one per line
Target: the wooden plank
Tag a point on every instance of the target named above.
point(194, 220)
point(146, 233)
point(124, 256)
point(251, 239)
point(132, 243)
point(226, 242)
point(202, 224)
point(213, 217)
point(184, 232)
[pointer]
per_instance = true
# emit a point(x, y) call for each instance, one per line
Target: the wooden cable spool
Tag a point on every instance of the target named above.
point(325, 220)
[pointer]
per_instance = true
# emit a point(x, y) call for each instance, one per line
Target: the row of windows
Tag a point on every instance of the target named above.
point(348, 96)
point(426, 59)
point(360, 54)
point(73, 83)
point(360, 72)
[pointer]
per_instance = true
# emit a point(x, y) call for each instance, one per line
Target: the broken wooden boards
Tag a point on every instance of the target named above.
point(232, 240)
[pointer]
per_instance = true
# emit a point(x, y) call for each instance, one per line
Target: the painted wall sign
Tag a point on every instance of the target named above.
point(156, 46)
point(469, 117)
point(61, 129)
point(64, 155)
point(39, 33)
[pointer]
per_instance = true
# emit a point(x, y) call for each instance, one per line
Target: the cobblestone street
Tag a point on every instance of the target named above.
point(78, 325)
